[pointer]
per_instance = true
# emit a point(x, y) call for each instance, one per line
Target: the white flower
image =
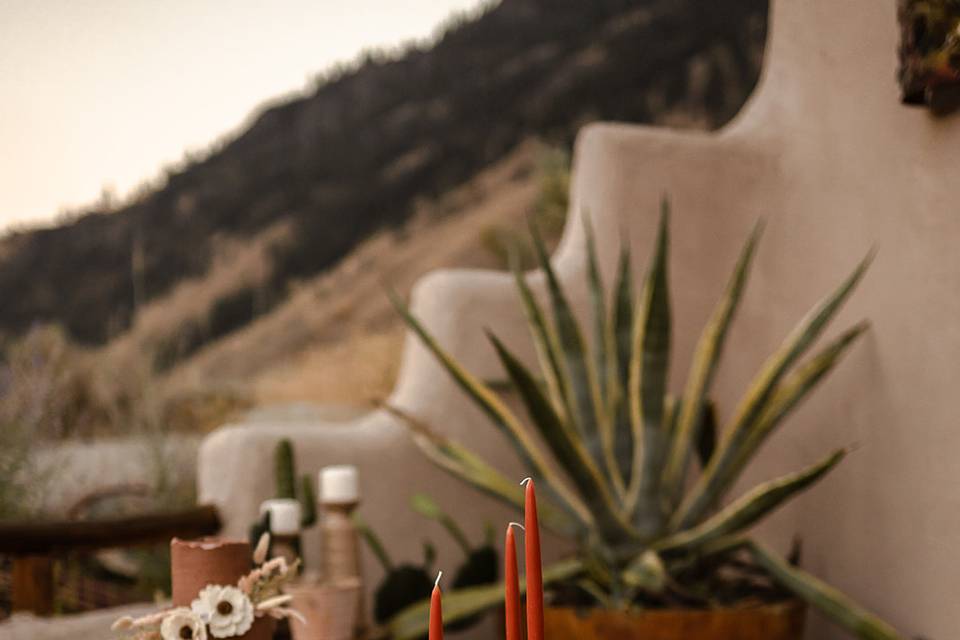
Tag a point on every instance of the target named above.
point(183, 624)
point(227, 610)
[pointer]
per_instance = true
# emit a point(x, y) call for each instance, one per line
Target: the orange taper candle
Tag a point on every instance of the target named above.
point(436, 612)
point(534, 577)
point(511, 586)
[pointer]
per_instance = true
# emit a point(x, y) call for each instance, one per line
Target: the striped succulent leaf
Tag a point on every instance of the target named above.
point(581, 377)
point(568, 449)
point(705, 361)
point(620, 329)
point(829, 601)
point(751, 508)
point(647, 384)
point(722, 470)
point(470, 468)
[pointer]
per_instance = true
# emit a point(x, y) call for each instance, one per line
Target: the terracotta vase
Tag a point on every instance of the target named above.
point(330, 610)
point(195, 564)
point(768, 622)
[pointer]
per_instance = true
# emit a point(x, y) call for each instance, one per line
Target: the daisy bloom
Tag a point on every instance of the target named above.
point(183, 624)
point(227, 610)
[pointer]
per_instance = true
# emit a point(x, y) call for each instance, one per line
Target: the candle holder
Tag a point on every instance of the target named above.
point(329, 609)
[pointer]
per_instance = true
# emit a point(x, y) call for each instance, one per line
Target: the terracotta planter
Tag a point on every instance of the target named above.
point(330, 610)
point(767, 622)
point(196, 563)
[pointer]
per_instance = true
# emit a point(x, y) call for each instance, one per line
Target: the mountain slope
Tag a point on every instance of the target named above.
point(315, 176)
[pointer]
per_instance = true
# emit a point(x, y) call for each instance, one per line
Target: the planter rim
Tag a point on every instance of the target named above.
point(787, 603)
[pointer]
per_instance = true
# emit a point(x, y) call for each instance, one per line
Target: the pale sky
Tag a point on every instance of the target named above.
point(97, 93)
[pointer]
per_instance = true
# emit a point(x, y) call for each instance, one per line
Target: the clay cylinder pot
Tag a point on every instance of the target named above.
point(194, 564)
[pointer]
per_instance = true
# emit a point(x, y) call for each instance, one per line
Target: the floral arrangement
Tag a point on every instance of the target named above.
point(222, 611)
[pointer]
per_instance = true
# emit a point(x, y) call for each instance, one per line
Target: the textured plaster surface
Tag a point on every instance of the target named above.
point(828, 156)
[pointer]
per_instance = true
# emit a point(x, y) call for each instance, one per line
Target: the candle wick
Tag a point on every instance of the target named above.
point(526, 480)
point(437, 583)
point(518, 525)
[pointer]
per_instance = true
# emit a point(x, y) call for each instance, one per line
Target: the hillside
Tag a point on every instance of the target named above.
point(336, 339)
point(315, 177)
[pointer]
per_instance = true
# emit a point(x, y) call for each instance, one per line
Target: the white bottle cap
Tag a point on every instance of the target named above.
point(339, 484)
point(284, 516)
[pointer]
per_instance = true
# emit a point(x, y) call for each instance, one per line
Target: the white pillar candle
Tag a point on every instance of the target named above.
point(339, 485)
point(285, 515)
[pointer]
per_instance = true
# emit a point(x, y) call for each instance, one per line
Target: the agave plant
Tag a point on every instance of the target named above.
point(646, 529)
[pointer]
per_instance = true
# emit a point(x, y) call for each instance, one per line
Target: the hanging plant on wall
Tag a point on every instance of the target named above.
point(930, 52)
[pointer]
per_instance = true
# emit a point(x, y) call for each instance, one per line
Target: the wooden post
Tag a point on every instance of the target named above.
point(32, 585)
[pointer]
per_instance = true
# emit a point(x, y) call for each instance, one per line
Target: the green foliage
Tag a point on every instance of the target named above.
point(646, 535)
point(481, 564)
point(308, 501)
point(286, 487)
point(285, 477)
point(411, 621)
point(403, 585)
point(406, 584)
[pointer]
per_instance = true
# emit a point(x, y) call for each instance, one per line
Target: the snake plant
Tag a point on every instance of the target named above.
point(618, 449)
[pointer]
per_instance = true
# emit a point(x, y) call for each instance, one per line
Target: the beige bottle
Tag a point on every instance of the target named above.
point(340, 543)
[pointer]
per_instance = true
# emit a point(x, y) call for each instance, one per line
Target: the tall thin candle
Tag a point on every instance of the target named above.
point(436, 611)
point(511, 584)
point(533, 568)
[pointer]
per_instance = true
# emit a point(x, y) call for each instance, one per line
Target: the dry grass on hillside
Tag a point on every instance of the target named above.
point(160, 324)
point(337, 340)
point(334, 339)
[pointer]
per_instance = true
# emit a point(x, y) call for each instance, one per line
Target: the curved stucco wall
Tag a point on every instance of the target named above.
point(836, 165)
point(827, 155)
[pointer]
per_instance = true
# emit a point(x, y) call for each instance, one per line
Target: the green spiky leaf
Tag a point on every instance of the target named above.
point(545, 342)
point(621, 328)
point(648, 388)
point(707, 435)
point(829, 601)
point(763, 410)
point(753, 506)
point(528, 450)
point(428, 508)
point(566, 447)
point(601, 345)
point(457, 605)
point(471, 469)
point(705, 361)
point(586, 405)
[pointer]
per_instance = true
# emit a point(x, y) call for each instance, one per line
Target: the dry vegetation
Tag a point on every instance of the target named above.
point(336, 340)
